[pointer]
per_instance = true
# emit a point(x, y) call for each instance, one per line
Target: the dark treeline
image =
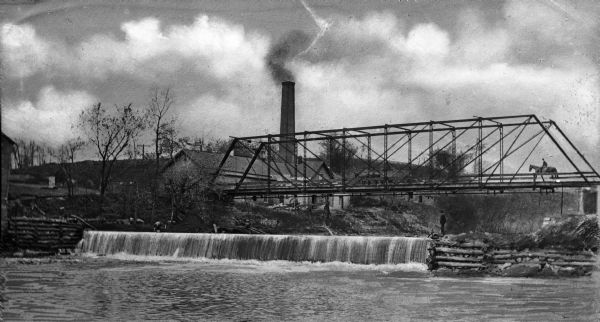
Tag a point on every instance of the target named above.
point(350, 157)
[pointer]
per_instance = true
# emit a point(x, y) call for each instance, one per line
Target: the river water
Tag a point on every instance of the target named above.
point(172, 276)
point(127, 287)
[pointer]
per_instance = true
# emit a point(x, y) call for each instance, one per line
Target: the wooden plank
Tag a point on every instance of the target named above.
point(544, 256)
point(458, 259)
point(461, 245)
point(501, 251)
point(450, 250)
point(509, 256)
point(567, 252)
point(460, 265)
point(504, 262)
point(575, 264)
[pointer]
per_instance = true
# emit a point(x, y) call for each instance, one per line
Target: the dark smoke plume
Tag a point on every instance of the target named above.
point(288, 47)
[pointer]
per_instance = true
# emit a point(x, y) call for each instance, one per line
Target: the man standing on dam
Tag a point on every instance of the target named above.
point(442, 223)
point(326, 210)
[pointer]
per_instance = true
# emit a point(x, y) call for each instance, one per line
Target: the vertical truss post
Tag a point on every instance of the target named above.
point(501, 152)
point(385, 157)
point(330, 148)
point(430, 149)
point(453, 144)
point(344, 159)
point(269, 164)
point(304, 164)
point(295, 158)
point(369, 158)
point(409, 152)
point(479, 152)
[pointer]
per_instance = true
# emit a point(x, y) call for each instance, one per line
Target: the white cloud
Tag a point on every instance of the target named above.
point(23, 52)
point(366, 71)
point(479, 43)
point(361, 74)
point(209, 45)
point(237, 111)
point(52, 119)
point(553, 22)
point(427, 42)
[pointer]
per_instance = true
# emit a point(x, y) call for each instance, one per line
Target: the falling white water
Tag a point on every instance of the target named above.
point(297, 248)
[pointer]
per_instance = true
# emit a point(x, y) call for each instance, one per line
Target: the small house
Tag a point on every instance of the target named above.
point(7, 149)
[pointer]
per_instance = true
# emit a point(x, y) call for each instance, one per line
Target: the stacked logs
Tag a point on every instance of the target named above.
point(559, 258)
point(447, 254)
point(476, 255)
point(43, 233)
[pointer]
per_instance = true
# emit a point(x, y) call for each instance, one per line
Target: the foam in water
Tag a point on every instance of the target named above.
point(348, 249)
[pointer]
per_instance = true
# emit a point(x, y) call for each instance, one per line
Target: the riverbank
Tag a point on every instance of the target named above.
point(565, 248)
point(403, 218)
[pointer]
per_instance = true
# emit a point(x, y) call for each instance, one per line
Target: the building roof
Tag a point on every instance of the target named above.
point(237, 165)
point(5, 137)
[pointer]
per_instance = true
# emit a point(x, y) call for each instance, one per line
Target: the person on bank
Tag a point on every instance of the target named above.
point(442, 224)
point(157, 226)
point(326, 210)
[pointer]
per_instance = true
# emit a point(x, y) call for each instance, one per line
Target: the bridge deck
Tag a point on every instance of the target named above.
point(465, 184)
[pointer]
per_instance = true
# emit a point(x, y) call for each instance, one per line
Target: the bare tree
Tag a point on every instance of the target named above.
point(41, 152)
point(65, 155)
point(218, 145)
point(189, 186)
point(337, 155)
point(161, 102)
point(21, 156)
point(110, 134)
point(29, 153)
point(169, 142)
point(449, 164)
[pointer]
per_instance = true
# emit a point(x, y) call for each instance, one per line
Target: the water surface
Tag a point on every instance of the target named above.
point(141, 288)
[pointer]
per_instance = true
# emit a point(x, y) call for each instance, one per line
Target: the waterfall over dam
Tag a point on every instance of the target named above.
point(298, 248)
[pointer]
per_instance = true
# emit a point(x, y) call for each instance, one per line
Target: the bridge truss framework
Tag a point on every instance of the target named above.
point(431, 157)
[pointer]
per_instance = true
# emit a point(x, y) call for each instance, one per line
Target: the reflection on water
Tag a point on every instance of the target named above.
point(114, 289)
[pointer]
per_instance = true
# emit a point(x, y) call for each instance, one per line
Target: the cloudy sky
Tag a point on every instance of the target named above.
point(354, 63)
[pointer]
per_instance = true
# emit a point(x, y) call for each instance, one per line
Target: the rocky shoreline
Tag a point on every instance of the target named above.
point(477, 258)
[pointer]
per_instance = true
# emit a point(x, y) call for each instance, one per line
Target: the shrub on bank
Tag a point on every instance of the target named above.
point(573, 233)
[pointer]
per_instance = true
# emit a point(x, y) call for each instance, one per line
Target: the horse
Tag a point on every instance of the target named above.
point(541, 171)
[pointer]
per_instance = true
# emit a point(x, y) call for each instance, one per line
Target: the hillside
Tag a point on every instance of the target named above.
point(86, 173)
point(390, 215)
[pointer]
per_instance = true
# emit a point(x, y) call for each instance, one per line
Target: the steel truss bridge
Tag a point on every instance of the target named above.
point(476, 155)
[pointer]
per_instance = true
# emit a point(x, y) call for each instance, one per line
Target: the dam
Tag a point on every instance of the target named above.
point(296, 248)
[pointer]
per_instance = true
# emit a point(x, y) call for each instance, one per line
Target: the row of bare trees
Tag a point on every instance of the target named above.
point(109, 134)
point(29, 153)
point(111, 131)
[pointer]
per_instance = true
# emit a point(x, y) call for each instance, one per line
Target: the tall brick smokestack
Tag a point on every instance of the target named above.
point(288, 121)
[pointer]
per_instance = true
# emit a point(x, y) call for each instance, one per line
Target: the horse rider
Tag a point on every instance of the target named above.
point(544, 165)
